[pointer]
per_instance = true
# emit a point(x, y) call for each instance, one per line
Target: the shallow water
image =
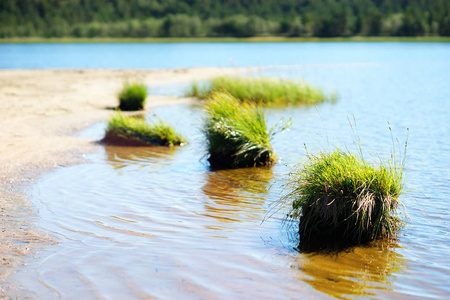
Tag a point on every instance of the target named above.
point(157, 223)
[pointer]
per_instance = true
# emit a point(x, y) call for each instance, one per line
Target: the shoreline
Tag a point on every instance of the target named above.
point(268, 39)
point(42, 111)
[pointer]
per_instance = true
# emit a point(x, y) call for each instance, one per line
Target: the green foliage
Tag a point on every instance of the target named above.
point(335, 24)
point(444, 28)
point(133, 131)
point(236, 134)
point(238, 18)
point(263, 91)
point(181, 26)
point(132, 96)
point(243, 26)
point(340, 200)
point(199, 90)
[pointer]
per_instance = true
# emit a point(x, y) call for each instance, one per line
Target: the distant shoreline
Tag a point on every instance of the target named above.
point(36, 40)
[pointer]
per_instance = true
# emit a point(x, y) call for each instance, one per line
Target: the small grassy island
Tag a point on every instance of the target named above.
point(236, 134)
point(132, 96)
point(130, 131)
point(263, 91)
point(340, 200)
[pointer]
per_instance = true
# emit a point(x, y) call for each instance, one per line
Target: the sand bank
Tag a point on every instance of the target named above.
point(41, 112)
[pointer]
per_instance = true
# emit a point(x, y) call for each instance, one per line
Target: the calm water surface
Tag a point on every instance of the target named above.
point(183, 55)
point(157, 223)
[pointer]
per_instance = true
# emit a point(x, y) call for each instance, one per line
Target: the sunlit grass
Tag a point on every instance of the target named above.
point(132, 131)
point(340, 199)
point(263, 91)
point(132, 96)
point(236, 133)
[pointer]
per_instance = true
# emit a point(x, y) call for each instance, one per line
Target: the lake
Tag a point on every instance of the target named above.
point(184, 55)
point(149, 223)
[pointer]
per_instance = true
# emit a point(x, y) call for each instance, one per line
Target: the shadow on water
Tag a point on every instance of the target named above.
point(358, 272)
point(238, 194)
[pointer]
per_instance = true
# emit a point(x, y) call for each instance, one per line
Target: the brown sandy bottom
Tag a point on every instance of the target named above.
point(41, 111)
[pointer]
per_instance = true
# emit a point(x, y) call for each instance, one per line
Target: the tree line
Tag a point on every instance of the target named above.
point(223, 18)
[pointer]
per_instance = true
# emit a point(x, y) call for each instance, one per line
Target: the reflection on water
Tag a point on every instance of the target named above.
point(238, 195)
point(357, 272)
point(120, 157)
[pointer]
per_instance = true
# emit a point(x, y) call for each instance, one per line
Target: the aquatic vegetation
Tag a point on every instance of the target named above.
point(198, 90)
point(342, 200)
point(132, 96)
point(263, 91)
point(131, 131)
point(236, 134)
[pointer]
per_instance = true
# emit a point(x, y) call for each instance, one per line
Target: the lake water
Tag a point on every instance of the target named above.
point(184, 55)
point(157, 223)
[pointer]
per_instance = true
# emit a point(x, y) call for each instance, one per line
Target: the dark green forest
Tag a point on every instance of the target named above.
point(223, 18)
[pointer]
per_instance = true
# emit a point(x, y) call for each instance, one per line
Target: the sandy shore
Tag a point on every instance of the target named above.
point(41, 112)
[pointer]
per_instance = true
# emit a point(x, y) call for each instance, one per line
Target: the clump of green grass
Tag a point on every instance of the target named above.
point(131, 131)
point(341, 200)
point(132, 96)
point(236, 134)
point(263, 91)
point(198, 90)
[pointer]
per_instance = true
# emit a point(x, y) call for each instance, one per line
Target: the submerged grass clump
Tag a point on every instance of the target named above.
point(132, 96)
point(341, 200)
point(135, 132)
point(263, 91)
point(236, 134)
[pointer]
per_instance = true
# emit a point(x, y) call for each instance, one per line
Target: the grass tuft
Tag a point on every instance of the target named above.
point(263, 91)
point(132, 96)
point(236, 134)
point(131, 131)
point(341, 200)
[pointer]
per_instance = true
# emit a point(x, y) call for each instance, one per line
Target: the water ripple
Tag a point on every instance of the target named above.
point(156, 223)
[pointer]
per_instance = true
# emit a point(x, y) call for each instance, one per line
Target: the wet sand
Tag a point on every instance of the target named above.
point(41, 112)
